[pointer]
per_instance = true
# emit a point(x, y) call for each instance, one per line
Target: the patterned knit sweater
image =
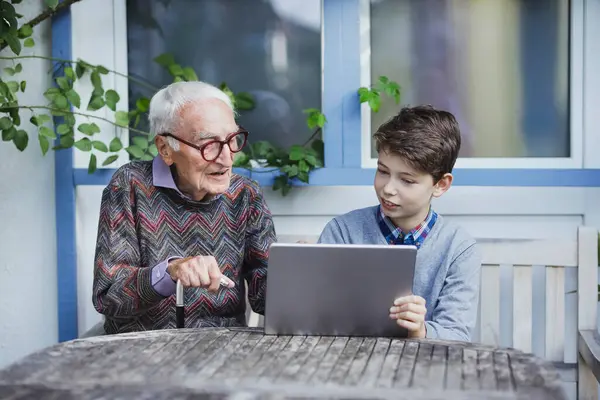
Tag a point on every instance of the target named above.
point(142, 225)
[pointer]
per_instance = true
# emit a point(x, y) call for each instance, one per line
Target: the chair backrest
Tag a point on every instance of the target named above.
point(535, 294)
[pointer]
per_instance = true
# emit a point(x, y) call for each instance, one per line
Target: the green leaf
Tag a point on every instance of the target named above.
point(244, 101)
point(15, 45)
point(96, 103)
point(21, 139)
point(92, 164)
point(45, 131)
point(63, 129)
point(69, 73)
point(9, 71)
point(165, 59)
point(13, 86)
point(115, 145)
point(364, 94)
point(51, 3)
point(5, 123)
point(40, 119)
point(240, 159)
point(143, 104)
point(83, 144)
point(100, 146)
point(303, 176)
point(297, 153)
point(102, 69)
point(135, 151)
point(50, 93)
point(23, 85)
point(122, 118)
point(60, 101)
point(96, 80)
point(70, 120)
point(16, 1)
point(29, 42)
point(383, 79)
point(67, 141)
point(189, 74)
point(112, 98)
point(80, 69)
point(303, 166)
point(175, 70)
point(153, 150)
point(9, 134)
point(74, 98)
point(14, 114)
point(279, 182)
point(88, 129)
point(63, 83)
point(146, 157)
point(375, 103)
point(44, 143)
point(110, 160)
point(140, 141)
point(25, 31)
point(18, 68)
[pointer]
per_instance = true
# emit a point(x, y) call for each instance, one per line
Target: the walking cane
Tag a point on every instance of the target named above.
point(179, 305)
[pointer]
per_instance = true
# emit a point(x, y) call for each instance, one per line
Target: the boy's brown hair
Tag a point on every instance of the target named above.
point(426, 138)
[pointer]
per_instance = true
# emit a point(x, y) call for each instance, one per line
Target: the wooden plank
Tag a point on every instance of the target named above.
point(571, 331)
point(555, 313)
point(522, 307)
point(589, 364)
point(489, 316)
point(529, 252)
point(588, 278)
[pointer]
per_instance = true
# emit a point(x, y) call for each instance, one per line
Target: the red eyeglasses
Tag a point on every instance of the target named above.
point(211, 150)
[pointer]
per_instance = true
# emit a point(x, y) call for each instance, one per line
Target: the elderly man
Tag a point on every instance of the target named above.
point(183, 216)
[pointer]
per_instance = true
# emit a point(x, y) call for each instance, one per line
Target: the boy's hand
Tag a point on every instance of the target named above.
point(409, 312)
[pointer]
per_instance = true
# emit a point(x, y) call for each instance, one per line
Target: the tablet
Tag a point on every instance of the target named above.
point(336, 289)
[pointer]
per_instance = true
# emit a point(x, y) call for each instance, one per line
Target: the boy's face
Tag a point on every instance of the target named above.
point(405, 193)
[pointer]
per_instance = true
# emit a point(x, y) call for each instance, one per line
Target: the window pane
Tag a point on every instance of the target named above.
point(271, 49)
point(501, 66)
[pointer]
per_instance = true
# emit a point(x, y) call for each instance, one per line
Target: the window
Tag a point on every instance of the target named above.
point(502, 68)
point(271, 49)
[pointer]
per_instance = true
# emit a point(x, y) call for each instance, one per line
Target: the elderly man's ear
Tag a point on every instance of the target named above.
point(164, 150)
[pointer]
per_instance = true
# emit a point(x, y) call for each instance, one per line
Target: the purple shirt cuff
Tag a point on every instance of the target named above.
point(161, 280)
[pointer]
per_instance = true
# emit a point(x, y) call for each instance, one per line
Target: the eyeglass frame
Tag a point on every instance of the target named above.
point(222, 143)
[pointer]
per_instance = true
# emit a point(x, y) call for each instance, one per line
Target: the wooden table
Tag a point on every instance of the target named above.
point(244, 363)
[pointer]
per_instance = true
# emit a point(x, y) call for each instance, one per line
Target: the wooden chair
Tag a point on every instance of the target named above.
point(539, 296)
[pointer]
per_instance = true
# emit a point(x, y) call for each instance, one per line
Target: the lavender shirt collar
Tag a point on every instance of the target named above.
point(162, 177)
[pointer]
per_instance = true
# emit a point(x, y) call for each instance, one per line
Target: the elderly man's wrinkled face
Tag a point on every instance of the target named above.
point(199, 123)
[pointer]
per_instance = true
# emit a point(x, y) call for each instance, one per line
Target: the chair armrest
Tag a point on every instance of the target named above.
point(589, 349)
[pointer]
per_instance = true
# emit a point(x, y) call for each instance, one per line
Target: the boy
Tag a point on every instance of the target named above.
point(417, 150)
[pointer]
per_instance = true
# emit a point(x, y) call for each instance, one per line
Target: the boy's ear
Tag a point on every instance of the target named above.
point(442, 185)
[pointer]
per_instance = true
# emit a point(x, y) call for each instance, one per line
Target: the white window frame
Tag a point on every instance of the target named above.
point(576, 104)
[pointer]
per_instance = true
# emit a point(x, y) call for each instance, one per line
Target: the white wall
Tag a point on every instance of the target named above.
point(28, 299)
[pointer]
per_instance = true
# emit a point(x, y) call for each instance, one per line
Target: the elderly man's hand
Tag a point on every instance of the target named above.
point(199, 271)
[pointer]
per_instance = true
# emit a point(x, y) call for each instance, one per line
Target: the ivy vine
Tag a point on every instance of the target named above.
point(56, 124)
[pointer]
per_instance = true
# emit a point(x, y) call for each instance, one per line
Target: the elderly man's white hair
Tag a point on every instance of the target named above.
point(167, 102)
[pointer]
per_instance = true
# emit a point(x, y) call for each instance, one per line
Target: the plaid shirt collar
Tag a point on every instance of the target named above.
point(416, 236)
